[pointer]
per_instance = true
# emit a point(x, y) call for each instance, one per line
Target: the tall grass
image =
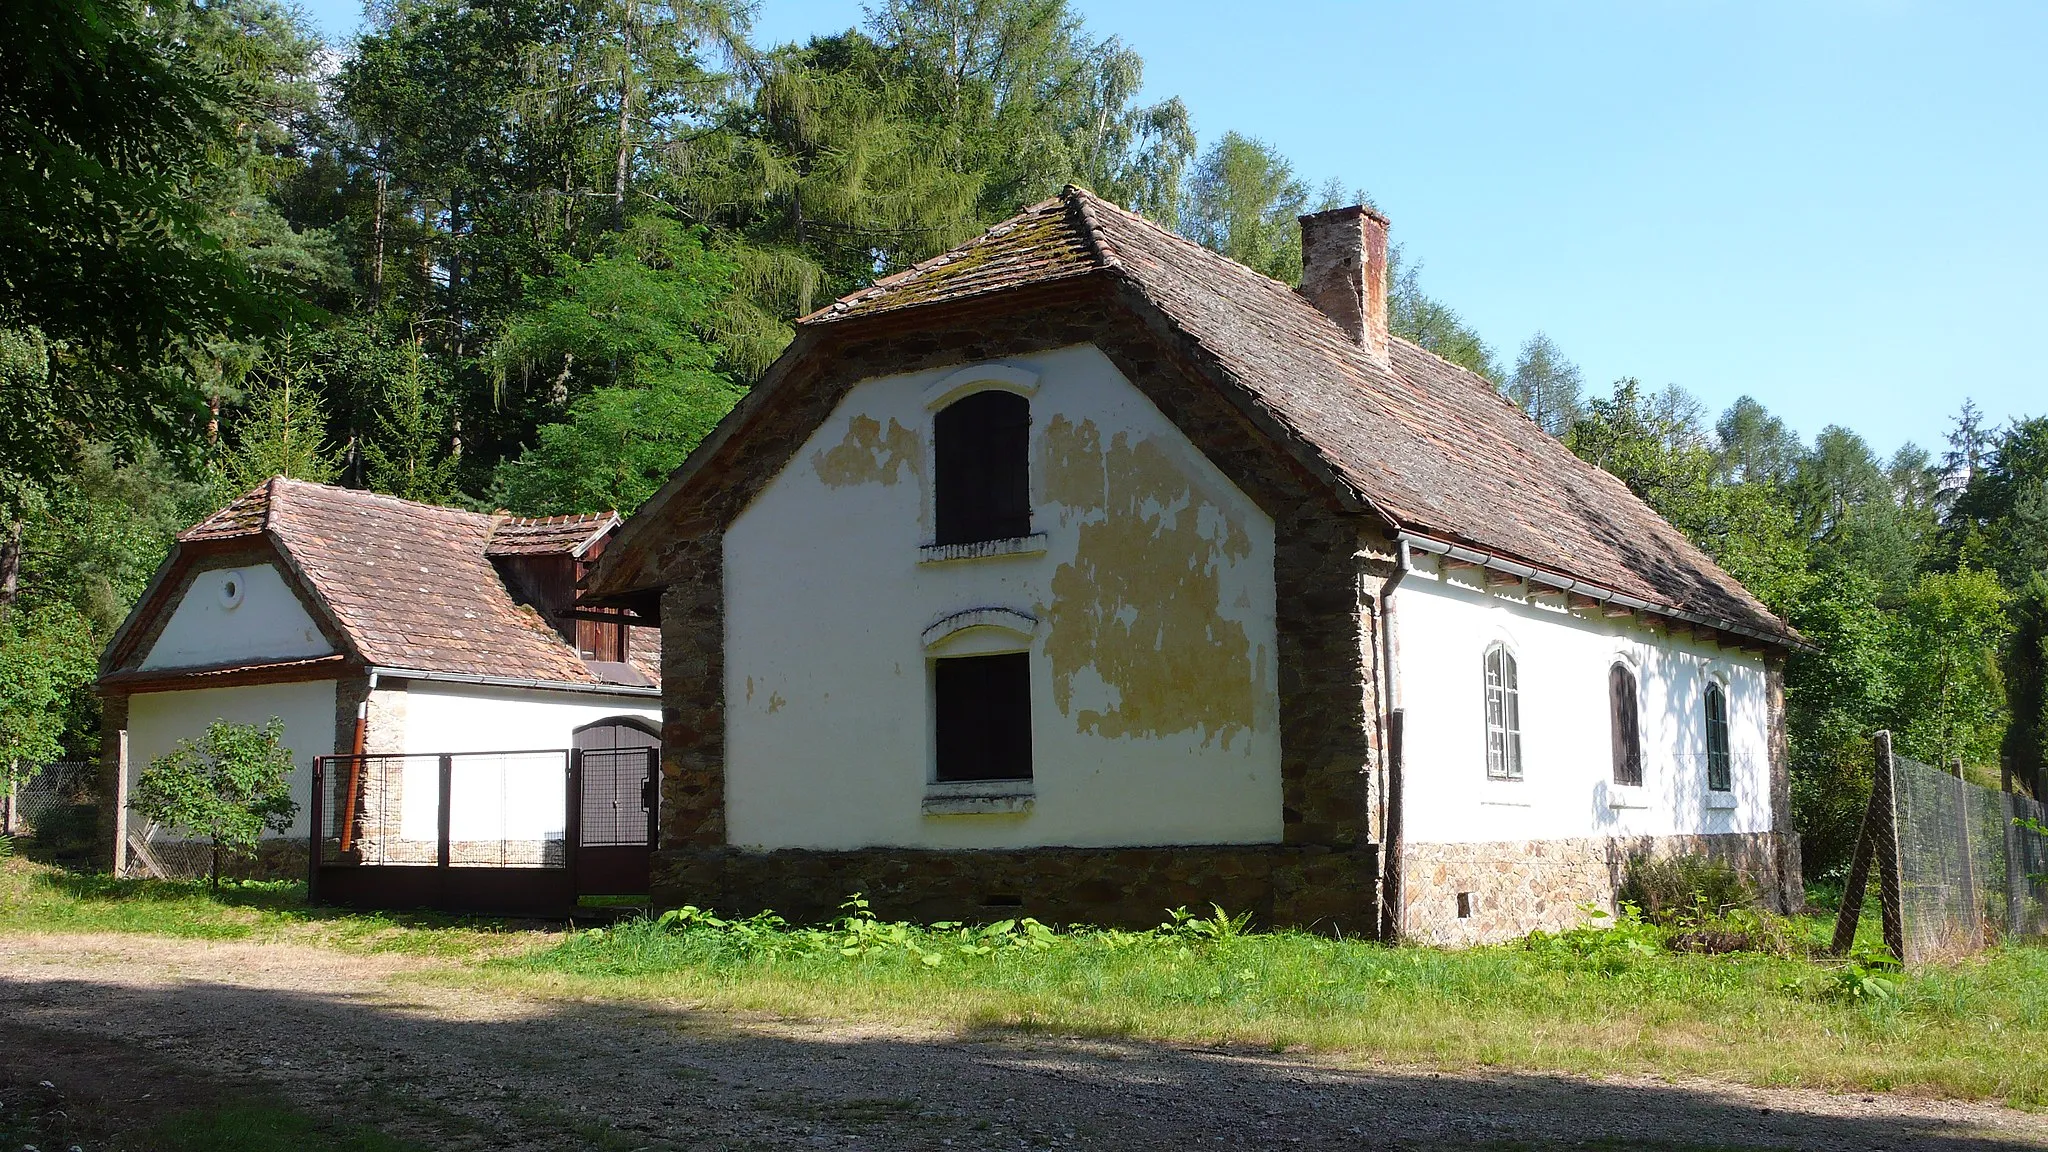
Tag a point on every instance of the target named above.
point(1596, 1000)
point(1592, 1001)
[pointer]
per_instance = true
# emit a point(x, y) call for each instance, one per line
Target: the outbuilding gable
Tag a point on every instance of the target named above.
point(293, 576)
point(237, 614)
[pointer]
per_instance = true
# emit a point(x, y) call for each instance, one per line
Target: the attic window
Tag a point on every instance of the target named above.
point(231, 587)
point(1625, 726)
point(983, 706)
point(982, 485)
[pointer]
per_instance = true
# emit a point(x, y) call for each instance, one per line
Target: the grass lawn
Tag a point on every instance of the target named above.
point(1594, 1001)
point(38, 898)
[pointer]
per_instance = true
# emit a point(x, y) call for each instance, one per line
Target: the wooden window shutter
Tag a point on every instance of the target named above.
point(1625, 727)
point(981, 453)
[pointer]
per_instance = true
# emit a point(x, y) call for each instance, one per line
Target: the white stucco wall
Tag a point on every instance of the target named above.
point(1153, 653)
point(1445, 624)
point(515, 798)
point(157, 721)
point(265, 621)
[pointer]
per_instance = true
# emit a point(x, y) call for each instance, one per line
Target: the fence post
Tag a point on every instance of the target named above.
point(7, 803)
point(2015, 871)
point(650, 795)
point(1890, 893)
point(572, 822)
point(1973, 905)
point(1851, 911)
point(120, 801)
point(315, 838)
point(447, 797)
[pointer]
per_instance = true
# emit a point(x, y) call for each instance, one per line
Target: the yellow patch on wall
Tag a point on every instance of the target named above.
point(1138, 606)
point(868, 455)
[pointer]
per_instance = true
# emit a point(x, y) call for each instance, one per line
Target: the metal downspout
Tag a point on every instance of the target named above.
point(1390, 650)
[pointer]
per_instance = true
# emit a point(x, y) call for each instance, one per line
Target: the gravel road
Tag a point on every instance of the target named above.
point(129, 1022)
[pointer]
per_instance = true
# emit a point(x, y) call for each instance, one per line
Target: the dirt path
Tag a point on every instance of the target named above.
point(455, 1068)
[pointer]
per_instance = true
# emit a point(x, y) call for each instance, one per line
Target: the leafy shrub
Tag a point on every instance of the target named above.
point(1613, 946)
point(1870, 975)
point(1220, 925)
point(1687, 891)
point(226, 787)
point(858, 934)
point(1737, 930)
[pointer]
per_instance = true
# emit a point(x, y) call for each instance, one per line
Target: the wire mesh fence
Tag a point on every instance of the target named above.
point(1968, 858)
point(56, 802)
point(1959, 867)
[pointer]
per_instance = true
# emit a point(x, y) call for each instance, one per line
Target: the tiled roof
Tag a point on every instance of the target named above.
point(1434, 447)
point(411, 584)
point(1033, 247)
point(549, 535)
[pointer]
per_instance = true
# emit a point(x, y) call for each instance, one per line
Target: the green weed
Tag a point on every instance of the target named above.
point(251, 1127)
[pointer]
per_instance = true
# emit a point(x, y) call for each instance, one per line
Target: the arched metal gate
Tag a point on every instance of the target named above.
point(619, 810)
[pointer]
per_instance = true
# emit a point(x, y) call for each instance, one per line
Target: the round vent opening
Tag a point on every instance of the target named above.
point(231, 590)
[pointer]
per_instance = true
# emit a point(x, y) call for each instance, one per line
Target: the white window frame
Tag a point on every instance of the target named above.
point(1500, 676)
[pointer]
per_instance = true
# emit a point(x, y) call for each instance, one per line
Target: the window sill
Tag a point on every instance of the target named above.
point(1620, 796)
point(1032, 545)
point(1723, 801)
point(979, 798)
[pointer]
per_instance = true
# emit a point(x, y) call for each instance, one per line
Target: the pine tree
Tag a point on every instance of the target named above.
point(407, 457)
point(282, 428)
point(1546, 385)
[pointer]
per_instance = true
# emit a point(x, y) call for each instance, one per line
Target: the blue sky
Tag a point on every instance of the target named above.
point(1834, 207)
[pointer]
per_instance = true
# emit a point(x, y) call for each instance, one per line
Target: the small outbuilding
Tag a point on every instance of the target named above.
point(377, 627)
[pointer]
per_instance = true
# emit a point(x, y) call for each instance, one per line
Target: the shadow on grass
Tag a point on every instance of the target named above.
point(283, 900)
point(570, 1073)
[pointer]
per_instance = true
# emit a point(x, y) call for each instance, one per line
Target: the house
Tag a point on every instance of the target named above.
point(369, 624)
point(1082, 573)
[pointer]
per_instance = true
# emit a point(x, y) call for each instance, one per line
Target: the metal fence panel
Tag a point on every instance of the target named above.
point(618, 796)
point(465, 809)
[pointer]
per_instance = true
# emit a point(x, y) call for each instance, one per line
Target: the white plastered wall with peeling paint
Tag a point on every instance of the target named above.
point(1446, 619)
point(1153, 652)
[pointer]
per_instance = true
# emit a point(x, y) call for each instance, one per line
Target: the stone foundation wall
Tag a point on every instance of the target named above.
point(475, 853)
point(1513, 888)
point(1305, 886)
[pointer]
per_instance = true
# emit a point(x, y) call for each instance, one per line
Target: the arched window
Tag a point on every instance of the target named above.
point(1627, 725)
point(615, 732)
point(1503, 715)
point(981, 449)
point(1719, 775)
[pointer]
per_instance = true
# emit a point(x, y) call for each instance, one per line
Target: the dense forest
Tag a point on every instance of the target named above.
point(522, 254)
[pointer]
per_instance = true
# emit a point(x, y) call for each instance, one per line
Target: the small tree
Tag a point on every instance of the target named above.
point(227, 787)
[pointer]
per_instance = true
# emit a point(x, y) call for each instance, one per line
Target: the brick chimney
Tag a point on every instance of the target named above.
point(1344, 273)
